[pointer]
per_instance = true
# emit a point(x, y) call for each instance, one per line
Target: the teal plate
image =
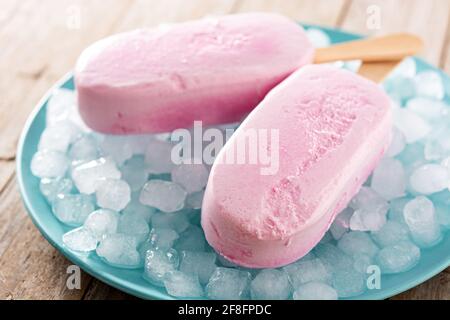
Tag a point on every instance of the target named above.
point(433, 260)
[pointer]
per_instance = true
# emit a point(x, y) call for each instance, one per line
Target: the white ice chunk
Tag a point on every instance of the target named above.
point(389, 179)
point(162, 238)
point(179, 284)
point(134, 172)
point(194, 200)
point(49, 164)
point(397, 144)
point(59, 137)
point(301, 272)
point(357, 242)
point(421, 219)
point(315, 291)
point(349, 283)
point(228, 284)
point(113, 194)
point(192, 177)
point(50, 188)
point(134, 225)
point(411, 125)
point(119, 250)
point(429, 178)
point(399, 257)
point(88, 175)
point(159, 156)
point(192, 239)
point(201, 264)
point(83, 150)
point(176, 221)
point(270, 284)
point(158, 263)
point(116, 147)
point(428, 108)
point(72, 209)
point(80, 239)
point(163, 195)
point(391, 233)
point(318, 38)
point(60, 106)
point(102, 222)
point(429, 84)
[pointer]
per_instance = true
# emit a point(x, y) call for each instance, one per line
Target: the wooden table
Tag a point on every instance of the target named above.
point(40, 41)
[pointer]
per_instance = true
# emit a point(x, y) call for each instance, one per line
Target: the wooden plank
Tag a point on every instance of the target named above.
point(428, 19)
point(322, 12)
point(30, 267)
point(437, 288)
point(41, 43)
point(98, 290)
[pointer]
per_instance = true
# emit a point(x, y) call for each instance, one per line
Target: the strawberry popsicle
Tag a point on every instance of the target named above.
point(215, 70)
point(333, 126)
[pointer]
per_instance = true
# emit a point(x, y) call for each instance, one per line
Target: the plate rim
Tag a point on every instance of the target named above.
point(127, 286)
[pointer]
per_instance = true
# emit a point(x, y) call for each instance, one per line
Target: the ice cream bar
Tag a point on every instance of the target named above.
point(333, 126)
point(215, 70)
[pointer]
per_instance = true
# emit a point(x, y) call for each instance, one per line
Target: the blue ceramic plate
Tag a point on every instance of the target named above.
point(433, 260)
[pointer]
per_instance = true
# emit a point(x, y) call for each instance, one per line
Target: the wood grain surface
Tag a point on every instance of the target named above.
point(40, 41)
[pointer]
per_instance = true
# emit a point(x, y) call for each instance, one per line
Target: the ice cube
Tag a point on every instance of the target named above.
point(162, 238)
point(429, 84)
point(159, 156)
point(50, 188)
point(399, 257)
point(428, 108)
point(315, 291)
point(368, 219)
point(80, 239)
point(396, 207)
point(349, 283)
point(194, 200)
point(437, 145)
point(361, 262)
point(49, 164)
point(332, 257)
point(116, 147)
point(301, 272)
point(192, 177)
point(134, 172)
point(119, 250)
point(201, 264)
point(113, 194)
point(139, 143)
point(420, 217)
point(406, 69)
point(135, 226)
point(270, 284)
point(163, 195)
point(412, 126)
point(102, 222)
point(179, 284)
point(397, 143)
point(429, 178)
point(176, 221)
point(192, 239)
point(341, 223)
point(357, 242)
point(367, 198)
point(389, 179)
point(318, 38)
point(83, 150)
point(391, 233)
point(443, 215)
point(60, 105)
point(88, 175)
point(402, 88)
point(59, 137)
point(158, 263)
point(228, 284)
point(136, 208)
point(72, 209)
point(370, 210)
point(412, 156)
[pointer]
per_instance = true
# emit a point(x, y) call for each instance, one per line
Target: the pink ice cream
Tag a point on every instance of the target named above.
point(333, 128)
point(214, 70)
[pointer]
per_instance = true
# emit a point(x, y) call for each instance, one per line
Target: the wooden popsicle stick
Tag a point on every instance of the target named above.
point(377, 71)
point(391, 47)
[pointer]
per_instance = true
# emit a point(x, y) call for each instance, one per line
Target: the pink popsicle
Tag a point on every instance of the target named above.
point(214, 70)
point(333, 128)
